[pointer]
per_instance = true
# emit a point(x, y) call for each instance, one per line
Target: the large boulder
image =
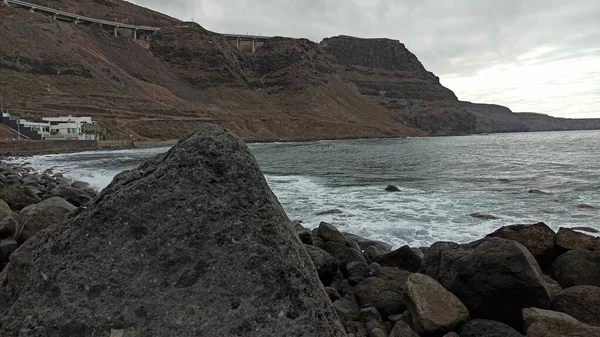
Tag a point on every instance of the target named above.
point(343, 253)
point(385, 295)
point(191, 243)
point(495, 278)
point(433, 308)
point(35, 218)
point(580, 302)
point(487, 328)
point(15, 198)
point(537, 238)
point(73, 195)
point(8, 221)
point(326, 265)
point(404, 258)
point(568, 239)
point(577, 267)
point(328, 232)
point(546, 323)
point(365, 243)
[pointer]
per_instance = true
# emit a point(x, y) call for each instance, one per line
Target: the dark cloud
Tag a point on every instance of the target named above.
point(459, 40)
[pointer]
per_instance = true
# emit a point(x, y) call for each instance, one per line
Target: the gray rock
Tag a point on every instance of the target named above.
point(487, 328)
point(579, 302)
point(7, 247)
point(330, 211)
point(484, 216)
point(80, 185)
point(304, 234)
point(359, 269)
point(568, 239)
point(8, 221)
point(35, 218)
point(495, 278)
point(537, 238)
point(73, 195)
point(332, 294)
point(404, 258)
point(365, 243)
point(577, 267)
point(329, 233)
point(546, 323)
point(16, 199)
point(347, 310)
point(385, 295)
point(401, 329)
point(191, 243)
point(393, 274)
point(433, 309)
point(342, 253)
point(372, 321)
point(325, 264)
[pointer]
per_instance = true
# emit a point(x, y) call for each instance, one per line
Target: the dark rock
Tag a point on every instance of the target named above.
point(359, 269)
point(7, 247)
point(484, 216)
point(8, 221)
point(15, 198)
point(191, 243)
point(434, 310)
point(495, 278)
point(374, 253)
point(451, 334)
point(325, 264)
point(537, 238)
point(580, 302)
point(330, 211)
point(74, 196)
point(329, 233)
point(91, 192)
point(385, 295)
point(404, 258)
point(35, 218)
point(58, 175)
point(393, 274)
point(546, 323)
point(392, 188)
point(585, 229)
point(364, 243)
point(568, 239)
point(577, 267)
point(342, 253)
point(373, 322)
point(584, 206)
point(374, 266)
point(80, 185)
point(401, 329)
point(535, 191)
point(347, 310)
point(304, 234)
point(487, 328)
point(332, 294)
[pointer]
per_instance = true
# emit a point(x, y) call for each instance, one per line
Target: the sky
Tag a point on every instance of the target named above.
point(529, 55)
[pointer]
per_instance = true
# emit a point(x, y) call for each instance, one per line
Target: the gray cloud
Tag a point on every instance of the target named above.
point(458, 40)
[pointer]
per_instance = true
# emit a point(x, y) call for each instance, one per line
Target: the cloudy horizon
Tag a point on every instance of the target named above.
point(529, 55)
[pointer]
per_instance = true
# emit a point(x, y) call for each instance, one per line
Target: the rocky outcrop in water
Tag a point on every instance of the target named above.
point(193, 242)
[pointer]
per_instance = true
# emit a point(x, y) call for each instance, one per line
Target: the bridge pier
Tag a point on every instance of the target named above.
point(238, 43)
point(115, 31)
point(253, 46)
point(135, 34)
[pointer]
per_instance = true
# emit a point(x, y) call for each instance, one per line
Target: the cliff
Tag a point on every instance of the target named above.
point(163, 85)
point(495, 118)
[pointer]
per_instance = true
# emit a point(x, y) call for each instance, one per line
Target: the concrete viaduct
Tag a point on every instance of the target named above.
point(76, 19)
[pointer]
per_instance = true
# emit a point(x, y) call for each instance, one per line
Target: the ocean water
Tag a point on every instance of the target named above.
point(442, 181)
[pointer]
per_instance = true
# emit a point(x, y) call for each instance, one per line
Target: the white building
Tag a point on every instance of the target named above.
point(59, 128)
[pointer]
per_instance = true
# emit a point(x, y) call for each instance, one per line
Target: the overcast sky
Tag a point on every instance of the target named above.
point(530, 55)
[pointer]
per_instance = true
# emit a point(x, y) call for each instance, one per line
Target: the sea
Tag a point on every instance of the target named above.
point(442, 181)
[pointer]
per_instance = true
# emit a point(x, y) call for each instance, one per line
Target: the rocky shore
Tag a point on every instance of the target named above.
point(194, 243)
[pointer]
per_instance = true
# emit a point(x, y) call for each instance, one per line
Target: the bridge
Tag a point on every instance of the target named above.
point(76, 19)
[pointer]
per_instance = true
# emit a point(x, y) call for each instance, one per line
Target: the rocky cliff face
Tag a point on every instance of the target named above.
point(389, 74)
point(496, 118)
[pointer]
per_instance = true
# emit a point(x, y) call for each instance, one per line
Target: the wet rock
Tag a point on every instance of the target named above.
point(196, 231)
point(585, 206)
point(580, 302)
point(329, 233)
point(385, 295)
point(392, 188)
point(484, 216)
point(495, 278)
point(536, 191)
point(330, 211)
point(433, 309)
point(537, 238)
point(401, 329)
point(568, 239)
point(325, 264)
point(404, 258)
point(15, 198)
point(35, 218)
point(342, 253)
point(364, 243)
point(80, 185)
point(74, 196)
point(585, 229)
point(487, 328)
point(577, 267)
point(546, 323)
